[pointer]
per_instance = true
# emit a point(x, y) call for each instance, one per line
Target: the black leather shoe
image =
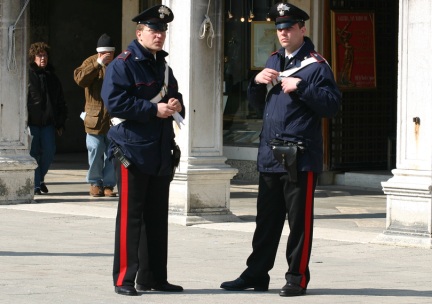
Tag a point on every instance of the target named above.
point(168, 287)
point(292, 290)
point(43, 188)
point(37, 191)
point(240, 284)
point(126, 290)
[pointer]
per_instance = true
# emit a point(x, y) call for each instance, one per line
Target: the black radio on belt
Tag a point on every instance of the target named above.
point(118, 153)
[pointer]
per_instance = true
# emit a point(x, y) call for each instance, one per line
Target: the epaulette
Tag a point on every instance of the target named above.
point(124, 55)
point(275, 52)
point(318, 57)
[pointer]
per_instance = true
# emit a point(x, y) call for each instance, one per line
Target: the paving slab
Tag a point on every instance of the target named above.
point(59, 249)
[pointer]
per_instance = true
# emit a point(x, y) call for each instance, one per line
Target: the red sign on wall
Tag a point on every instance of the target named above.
point(353, 50)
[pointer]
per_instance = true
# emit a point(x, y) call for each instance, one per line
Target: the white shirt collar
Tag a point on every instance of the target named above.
point(293, 53)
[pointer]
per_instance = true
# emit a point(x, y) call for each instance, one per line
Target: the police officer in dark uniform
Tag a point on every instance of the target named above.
point(141, 94)
point(290, 153)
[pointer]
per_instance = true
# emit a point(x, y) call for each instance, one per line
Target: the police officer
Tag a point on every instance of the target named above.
point(293, 108)
point(141, 94)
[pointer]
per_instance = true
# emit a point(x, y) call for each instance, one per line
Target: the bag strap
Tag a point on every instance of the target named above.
point(164, 90)
point(290, 72)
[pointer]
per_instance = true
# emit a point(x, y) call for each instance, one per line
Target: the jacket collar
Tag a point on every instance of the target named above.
point(304, 51)
point(141, 53)
point(35, 68)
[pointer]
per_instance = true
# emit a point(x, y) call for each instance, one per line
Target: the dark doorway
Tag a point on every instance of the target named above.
point(72, 29)
point(363, 134)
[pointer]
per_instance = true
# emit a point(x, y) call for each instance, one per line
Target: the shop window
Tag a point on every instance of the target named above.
point(242, 123)
point(363, 133)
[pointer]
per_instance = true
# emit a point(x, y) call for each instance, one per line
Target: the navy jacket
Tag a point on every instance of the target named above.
point(131, 81)
point(295, 116)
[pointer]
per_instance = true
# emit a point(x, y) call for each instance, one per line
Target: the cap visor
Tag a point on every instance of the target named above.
point(284, 25)
point(157, 26)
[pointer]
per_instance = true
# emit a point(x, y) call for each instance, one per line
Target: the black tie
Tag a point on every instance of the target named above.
point(287, 63)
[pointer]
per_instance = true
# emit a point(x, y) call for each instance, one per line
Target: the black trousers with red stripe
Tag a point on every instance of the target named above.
point(278, 197)
point(143, 200)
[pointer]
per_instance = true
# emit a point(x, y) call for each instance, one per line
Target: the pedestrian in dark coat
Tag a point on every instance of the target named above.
point(47, 112)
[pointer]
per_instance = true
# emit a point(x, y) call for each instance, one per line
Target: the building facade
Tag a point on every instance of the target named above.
point(215, 48)
point(361, 137)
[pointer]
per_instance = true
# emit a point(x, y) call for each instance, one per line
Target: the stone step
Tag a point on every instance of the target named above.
point(367, 179)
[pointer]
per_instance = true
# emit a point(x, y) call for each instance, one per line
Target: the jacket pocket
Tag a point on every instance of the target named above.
point(92, 118)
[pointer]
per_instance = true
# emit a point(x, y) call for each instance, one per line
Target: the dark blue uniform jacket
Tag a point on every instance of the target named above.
point(296, 116)
point(131, 81)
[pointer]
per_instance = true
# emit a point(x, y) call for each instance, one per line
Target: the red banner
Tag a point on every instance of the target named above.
point(353, 53)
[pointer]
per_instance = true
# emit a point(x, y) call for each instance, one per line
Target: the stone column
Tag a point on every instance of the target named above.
point(409, 211)
point(16, 165)
point(130, 8)
point(201, 189)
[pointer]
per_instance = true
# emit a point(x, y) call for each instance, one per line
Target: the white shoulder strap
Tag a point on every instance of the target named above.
point(115, 121)
point(177, 117)
point(289, 72)
point(164, 89)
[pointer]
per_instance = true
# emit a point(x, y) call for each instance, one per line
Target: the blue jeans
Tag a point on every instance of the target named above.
point(101, 170)
point(42, 149)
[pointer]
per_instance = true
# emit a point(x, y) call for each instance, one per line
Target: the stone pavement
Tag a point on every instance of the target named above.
point(59, 250)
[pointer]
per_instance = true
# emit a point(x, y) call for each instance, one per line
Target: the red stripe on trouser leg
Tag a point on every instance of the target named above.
point(124, 199)
point(307, 231)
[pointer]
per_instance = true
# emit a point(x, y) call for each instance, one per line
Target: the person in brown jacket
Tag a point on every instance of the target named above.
point(90, 75)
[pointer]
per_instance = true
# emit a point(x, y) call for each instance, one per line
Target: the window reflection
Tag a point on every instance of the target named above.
point(241, 123)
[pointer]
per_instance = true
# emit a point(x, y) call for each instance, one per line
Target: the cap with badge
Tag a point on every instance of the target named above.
point(286, 15)
point(155, 17)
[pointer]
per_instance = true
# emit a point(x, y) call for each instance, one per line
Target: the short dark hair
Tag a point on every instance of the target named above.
point(36, 48)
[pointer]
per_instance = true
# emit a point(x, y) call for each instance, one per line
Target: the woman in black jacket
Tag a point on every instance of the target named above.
point(47, 111)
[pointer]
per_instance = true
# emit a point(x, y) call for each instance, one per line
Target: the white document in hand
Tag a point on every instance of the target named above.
point(178, 119)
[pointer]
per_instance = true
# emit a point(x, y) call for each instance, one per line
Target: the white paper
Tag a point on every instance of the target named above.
point(178, 119)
